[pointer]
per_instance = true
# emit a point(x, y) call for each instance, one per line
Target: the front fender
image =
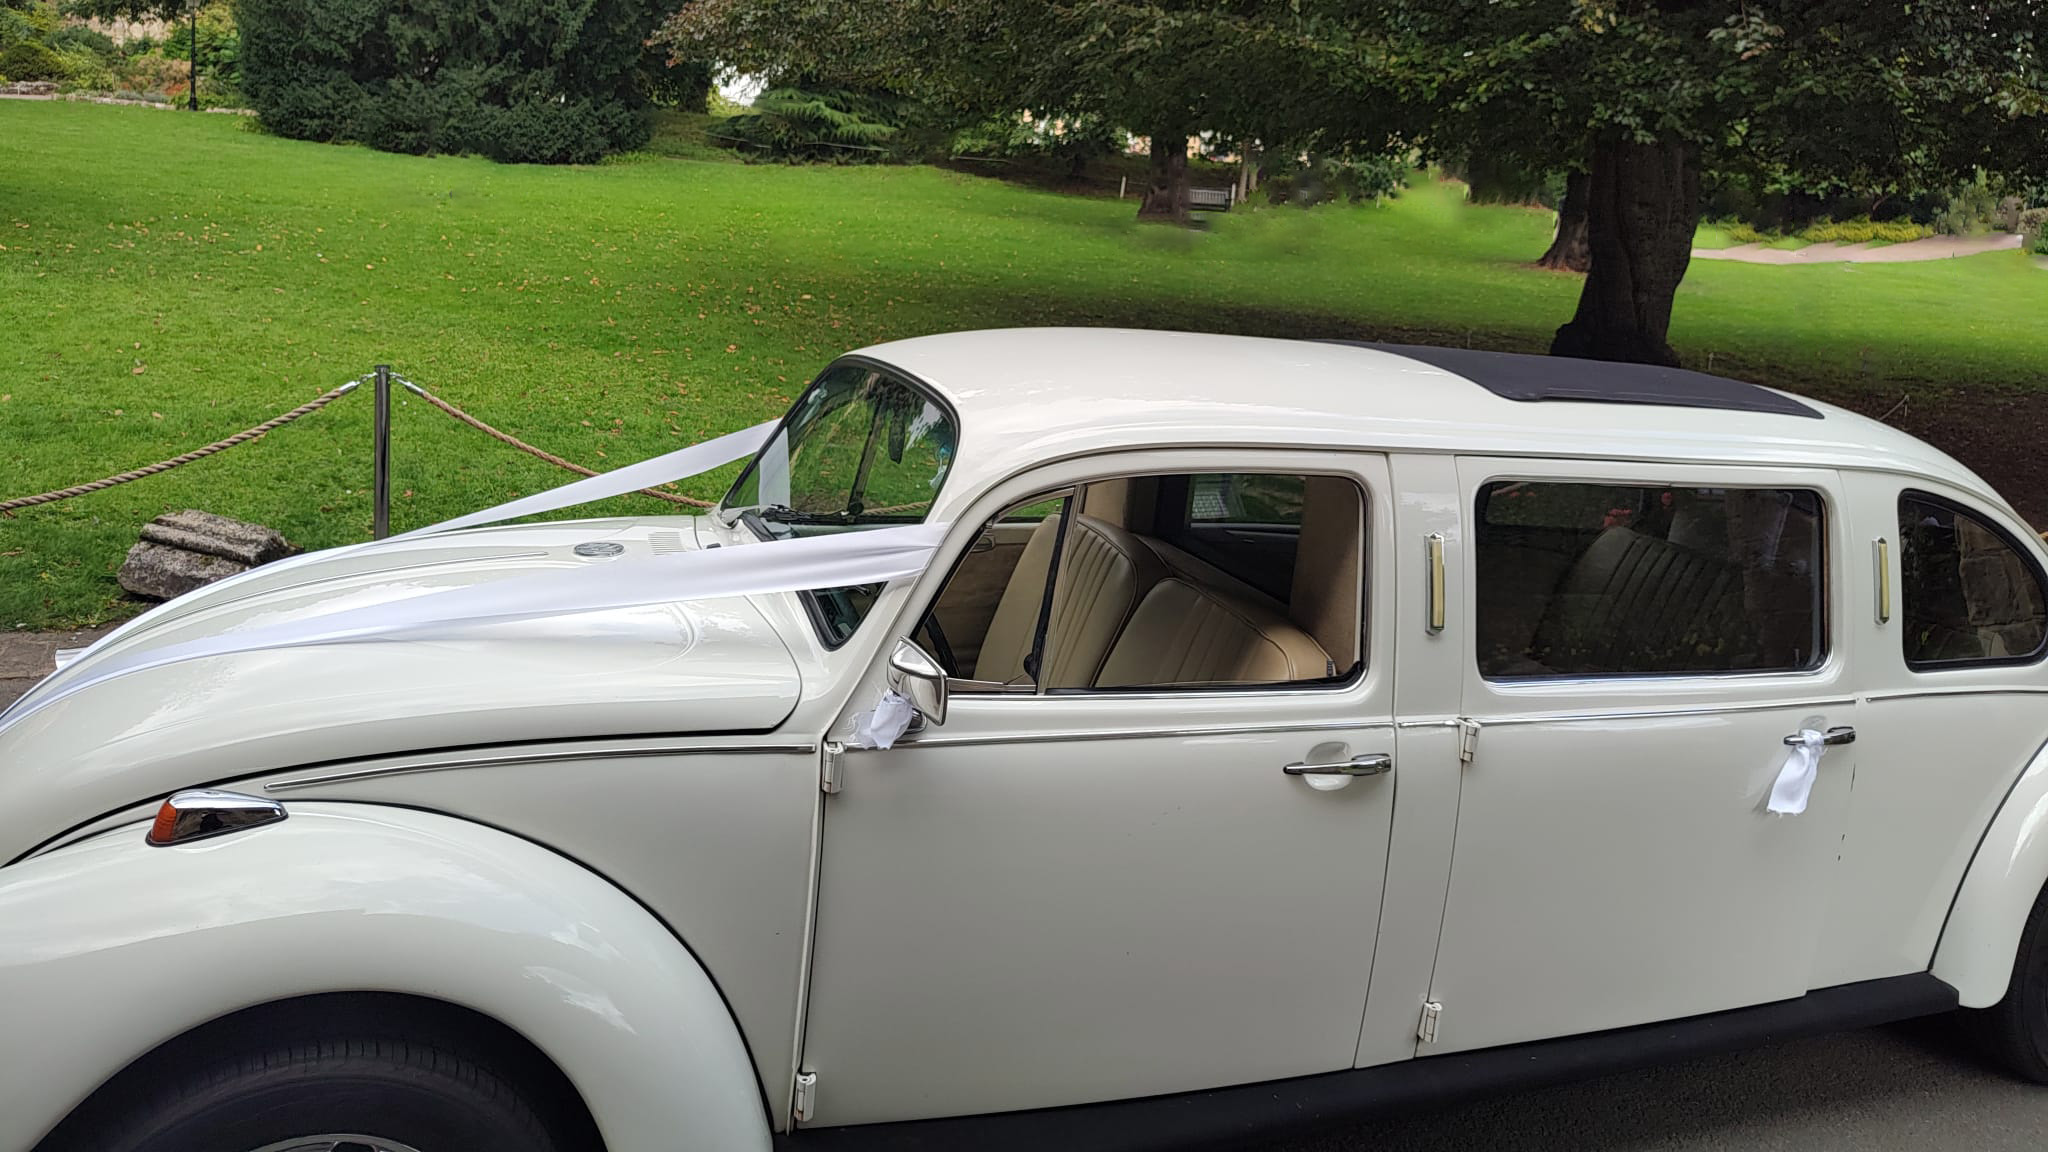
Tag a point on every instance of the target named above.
point(109, 947)
point(1982, 937)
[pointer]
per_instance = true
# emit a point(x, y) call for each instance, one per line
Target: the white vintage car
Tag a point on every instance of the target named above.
point(1266, 733)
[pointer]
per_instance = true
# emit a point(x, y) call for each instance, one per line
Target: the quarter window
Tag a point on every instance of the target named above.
point(1580, 579)
point(1970, 595)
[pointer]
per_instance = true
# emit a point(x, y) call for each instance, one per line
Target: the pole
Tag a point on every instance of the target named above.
point(380, 458)
point(194, 74)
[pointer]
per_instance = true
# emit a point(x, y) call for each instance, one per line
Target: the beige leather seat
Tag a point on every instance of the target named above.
point(1184, 633)
point(1646, 605)
point(1104, 570)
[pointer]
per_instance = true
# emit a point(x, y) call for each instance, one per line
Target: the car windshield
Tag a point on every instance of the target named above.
point(860, 448)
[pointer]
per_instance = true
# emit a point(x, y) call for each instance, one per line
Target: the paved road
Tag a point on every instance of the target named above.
point(1911, 1088)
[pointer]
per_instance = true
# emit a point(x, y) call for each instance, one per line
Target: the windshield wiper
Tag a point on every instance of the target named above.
point(784, 514)
point(759, 516)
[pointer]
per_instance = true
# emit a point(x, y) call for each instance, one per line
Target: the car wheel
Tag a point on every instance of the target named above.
point(2015, 1030)
point(335, 1094)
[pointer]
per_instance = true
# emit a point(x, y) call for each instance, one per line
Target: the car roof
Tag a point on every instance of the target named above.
point(1028, 395)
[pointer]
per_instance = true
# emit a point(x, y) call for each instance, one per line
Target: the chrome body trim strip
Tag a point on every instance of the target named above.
point(1659, 713)
point(1978, 690)
point(351, 775)
point(943, 741)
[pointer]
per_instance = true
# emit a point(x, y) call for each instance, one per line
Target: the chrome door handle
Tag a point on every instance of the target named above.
point(1374, 764)
point(1834, 736)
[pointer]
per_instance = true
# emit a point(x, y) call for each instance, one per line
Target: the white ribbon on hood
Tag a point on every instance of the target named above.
point(657, 470)
point(839, 560)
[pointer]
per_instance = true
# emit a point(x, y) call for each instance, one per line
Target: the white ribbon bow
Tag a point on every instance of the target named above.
point(1795, 780)
point(883, 725)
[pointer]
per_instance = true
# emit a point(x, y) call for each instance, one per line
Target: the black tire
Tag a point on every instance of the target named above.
point(2014, 1031)
point(405, 1093)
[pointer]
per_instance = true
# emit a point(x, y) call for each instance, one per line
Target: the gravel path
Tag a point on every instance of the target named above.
point(1932, 248)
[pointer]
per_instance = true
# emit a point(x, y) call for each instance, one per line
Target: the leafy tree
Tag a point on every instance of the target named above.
point(1159, 69)
point(551, 81)
point(1649, 97)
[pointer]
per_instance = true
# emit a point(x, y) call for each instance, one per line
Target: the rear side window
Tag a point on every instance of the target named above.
point(1970, 595)
point(1581, 580)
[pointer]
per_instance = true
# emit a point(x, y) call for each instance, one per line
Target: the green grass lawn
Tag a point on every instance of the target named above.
point(1712, 236)
point(166, 279)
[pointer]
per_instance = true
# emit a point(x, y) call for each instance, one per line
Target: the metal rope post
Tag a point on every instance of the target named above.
point(380, 458)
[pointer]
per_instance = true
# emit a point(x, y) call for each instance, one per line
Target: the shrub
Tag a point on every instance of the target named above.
point(1740, 232)
point(1968, 206)
point(33, 60)
point(80, 38)
point(1355, 177)
point(153, 75)
point(2033, 224)
point(549, 81)
point(1863, 230)
point(787, 123)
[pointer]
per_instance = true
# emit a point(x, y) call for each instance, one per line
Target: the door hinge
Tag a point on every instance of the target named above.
point(1425, 1031)
point(830, 766)
point(1468, 740)
point(806, 1095)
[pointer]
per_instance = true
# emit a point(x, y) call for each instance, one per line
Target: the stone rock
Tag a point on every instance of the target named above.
point(203, 532)
point(160, 572)
point(180, 551)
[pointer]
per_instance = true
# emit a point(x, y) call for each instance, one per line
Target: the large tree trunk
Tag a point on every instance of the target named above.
point(1571, 250)
point(1166, 196)
point(1642, 206)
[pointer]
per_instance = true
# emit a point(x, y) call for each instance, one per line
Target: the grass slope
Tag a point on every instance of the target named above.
point(167, 279)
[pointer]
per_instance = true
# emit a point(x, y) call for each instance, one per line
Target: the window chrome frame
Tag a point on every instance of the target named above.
point(1825, 657)
point(1345, 681)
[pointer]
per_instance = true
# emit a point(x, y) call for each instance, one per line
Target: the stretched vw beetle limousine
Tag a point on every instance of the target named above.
point(1233, 733)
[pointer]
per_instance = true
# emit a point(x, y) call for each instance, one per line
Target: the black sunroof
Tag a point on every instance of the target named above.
point(1515, 376)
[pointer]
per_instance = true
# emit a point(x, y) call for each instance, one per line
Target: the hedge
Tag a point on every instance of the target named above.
point(547, 81)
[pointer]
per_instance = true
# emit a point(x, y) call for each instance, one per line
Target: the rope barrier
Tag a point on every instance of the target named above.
point(7, 507)
point(530, 450)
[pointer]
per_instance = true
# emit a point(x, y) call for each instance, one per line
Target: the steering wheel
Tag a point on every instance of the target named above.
point(941, 648)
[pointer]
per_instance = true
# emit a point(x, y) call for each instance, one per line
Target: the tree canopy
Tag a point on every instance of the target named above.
point(1648, 97)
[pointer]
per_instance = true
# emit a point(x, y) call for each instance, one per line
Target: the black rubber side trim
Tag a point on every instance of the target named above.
point(1227, 1115)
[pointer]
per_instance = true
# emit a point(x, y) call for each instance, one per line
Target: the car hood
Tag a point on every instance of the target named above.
point(701, 666)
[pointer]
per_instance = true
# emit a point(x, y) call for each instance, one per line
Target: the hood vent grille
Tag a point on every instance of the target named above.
point(666, 542)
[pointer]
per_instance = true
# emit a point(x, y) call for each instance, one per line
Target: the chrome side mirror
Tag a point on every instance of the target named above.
point(915, 676)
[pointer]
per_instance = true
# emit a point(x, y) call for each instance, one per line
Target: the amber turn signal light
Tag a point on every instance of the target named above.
point(202, 813)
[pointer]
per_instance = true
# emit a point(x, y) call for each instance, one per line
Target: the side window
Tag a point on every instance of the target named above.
point(1189, 580)
point(1586, 579)
point(1969, 594)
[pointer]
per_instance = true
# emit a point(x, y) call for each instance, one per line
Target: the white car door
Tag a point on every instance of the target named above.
point(1090, 893)
point(1642, 641)
point(1954, 630)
